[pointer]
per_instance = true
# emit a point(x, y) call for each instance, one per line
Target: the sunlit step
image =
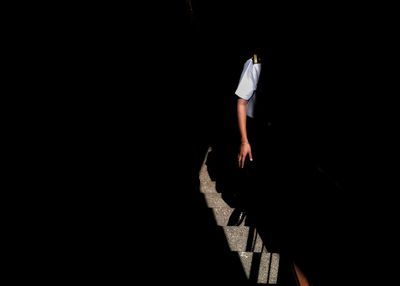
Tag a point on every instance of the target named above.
point(222, 215)
point(214, 200)
point(261, 268)
point(243, 238)
point(207, 186)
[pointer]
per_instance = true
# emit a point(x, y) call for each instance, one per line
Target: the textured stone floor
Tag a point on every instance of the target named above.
point(260, 266)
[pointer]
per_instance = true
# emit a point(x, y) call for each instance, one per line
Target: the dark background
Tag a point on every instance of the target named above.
point(143, 87)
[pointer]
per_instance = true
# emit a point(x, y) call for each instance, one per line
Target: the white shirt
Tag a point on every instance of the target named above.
point(248, 84)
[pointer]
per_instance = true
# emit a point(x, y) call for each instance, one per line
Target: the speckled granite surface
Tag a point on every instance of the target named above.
point(259, 265)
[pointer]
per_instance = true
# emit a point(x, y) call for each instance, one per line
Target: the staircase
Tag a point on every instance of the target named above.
point(260, 266)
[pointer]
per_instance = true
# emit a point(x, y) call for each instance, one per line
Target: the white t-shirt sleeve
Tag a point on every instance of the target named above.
point(248, 80)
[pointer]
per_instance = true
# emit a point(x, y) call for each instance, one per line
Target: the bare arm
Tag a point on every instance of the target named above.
point(245, 148)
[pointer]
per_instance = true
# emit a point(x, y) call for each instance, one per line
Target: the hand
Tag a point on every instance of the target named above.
point(245, 150)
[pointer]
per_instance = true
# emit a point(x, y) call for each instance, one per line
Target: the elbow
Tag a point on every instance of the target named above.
point(242, 101)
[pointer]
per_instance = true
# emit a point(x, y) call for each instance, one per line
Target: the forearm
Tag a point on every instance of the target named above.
point(242, 119)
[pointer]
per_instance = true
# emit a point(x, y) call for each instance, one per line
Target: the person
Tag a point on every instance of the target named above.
point(245, 113)
point(246, 104)
point(257, 163)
